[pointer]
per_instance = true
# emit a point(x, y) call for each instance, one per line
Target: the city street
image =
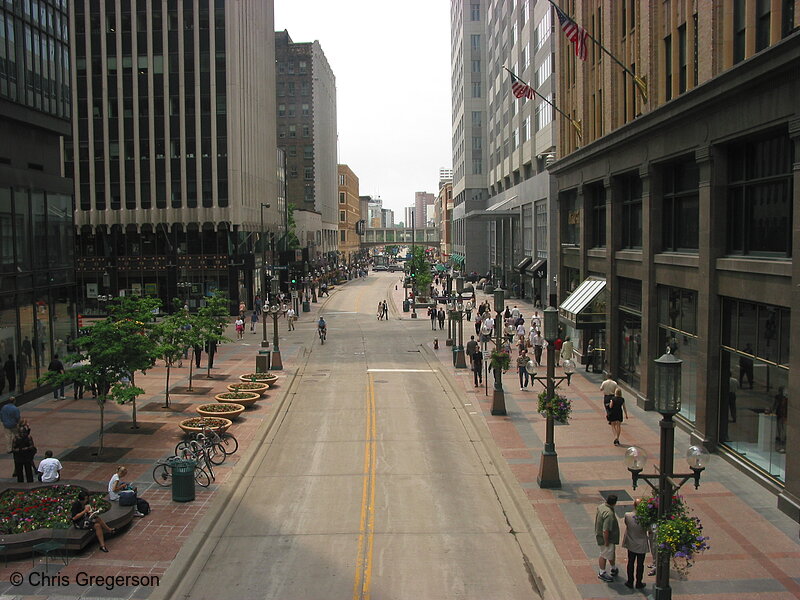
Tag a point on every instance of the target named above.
point(373, 482)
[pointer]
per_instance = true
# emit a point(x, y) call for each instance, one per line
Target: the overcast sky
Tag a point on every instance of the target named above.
point(392, 66)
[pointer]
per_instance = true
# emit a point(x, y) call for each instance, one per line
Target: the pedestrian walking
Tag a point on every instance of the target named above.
point(609, 388)
point(197, 350)
point(606, 531)
point(441, 316)
point(614, 411)
point(472, 347)
point(27, 350)
point(10, 417)
point(24, 450)
point(558, 344)
point(257, 304)
point(636, 542)
point(515, 314)
point(567, 349)
point(239, 323)
point(56, 366)
point(291, 317)
point(432, 315)
point(379, 314)
point(487, 326)
point(478, 321)
point(589, 354)
point(522, 362)
point(477, 367)
point(211, 350)
point(253, 321)
point(538, 342)
point(468, 310)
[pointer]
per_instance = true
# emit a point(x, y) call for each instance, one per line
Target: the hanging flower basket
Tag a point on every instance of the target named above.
point(500, 360)
point(559, 407)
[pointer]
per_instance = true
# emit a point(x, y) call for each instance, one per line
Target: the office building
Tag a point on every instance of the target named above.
point(677, 220)
point(37, 299)
point(173, 149)
point(422, 200)
point(306, 121)
point(349, 214)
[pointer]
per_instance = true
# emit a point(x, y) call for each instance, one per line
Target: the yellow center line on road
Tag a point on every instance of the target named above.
point(366, 537)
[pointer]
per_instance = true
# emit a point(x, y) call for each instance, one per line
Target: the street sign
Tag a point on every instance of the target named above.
point(280, 267)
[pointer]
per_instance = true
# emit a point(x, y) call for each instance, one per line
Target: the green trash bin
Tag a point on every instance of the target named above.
point(183, 480)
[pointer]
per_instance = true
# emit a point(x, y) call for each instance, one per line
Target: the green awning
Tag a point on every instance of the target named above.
point(440, 267)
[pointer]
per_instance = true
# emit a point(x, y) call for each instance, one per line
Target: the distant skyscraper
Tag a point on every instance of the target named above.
point(421, 202)
point(306, 110)
point(173, 149)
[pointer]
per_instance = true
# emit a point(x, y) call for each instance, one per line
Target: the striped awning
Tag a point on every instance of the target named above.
point(576, 305)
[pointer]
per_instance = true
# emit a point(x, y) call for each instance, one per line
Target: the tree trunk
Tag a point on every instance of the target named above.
point(190, 370)
point(101, 400)
point(135, 424)
point(166, 391)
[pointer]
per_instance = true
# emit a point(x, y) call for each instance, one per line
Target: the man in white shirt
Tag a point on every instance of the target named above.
point(50, 468)
point(290, 314)
point(515, 313)
point(487, 326)
point(537, 341)
point(608, 387)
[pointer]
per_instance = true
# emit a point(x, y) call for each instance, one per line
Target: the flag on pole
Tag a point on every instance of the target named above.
point(574, 32)
point(521, 89)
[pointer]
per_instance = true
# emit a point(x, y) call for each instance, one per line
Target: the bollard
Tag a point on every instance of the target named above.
point(435, 343)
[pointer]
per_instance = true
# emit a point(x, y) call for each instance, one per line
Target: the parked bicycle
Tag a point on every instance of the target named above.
point(162, 472)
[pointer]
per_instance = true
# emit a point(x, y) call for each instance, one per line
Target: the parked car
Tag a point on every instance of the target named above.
point(380, 268)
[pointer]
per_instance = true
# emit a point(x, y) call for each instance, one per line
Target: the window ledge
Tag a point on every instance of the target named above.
point(596, 252)
point(571, 249)
point(781, 267)
point(635, 255)
point(682, 260)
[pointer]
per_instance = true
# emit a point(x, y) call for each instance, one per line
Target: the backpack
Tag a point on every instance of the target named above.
point(143, 506)
point(127, 498)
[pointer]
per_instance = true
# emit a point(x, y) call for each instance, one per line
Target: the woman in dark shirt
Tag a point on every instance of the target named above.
point(82, 519)
point(24, 450)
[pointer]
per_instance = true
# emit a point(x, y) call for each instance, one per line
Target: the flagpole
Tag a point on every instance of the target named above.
point(575, 124)
point(641, 84)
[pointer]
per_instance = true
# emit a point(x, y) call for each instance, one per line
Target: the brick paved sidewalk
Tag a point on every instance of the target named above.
point(150, 544)
point(754, 547)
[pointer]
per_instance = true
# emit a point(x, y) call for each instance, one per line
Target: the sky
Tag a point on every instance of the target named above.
point(392, 66)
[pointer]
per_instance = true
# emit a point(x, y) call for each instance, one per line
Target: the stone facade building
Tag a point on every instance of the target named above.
point(677, 220)
point(349, 214)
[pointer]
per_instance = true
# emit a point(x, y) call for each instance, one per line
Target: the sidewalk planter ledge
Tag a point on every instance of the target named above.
point(228, 410)
point(194, 425)
point(246, 399)
point(249, 386)
point(20, 545)
point(267, 378)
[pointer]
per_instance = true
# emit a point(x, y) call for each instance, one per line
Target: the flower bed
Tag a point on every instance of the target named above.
point(244, 398)
point(267, 378)
point(229, 410)
point(196, 424)
point(42, 508)
point(249, 386)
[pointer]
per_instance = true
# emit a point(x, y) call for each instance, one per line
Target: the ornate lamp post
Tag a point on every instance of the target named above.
point(549, 476)
point(668, 403)
point(459, 356)
point(451, 309)
point(185, 286)
point(498, 396)
point(275, 363)
point(264, 342)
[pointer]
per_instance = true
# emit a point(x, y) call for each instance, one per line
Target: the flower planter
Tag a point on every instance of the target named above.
point(218, 424)
point(249, 386)
point(267, 378)
point(231, 410)
point(246, 399)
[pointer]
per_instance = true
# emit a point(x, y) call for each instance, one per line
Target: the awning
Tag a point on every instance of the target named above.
point(440, 267)
point(538, 269)
point(586, 306)
point(456, 257)
point(523, 263)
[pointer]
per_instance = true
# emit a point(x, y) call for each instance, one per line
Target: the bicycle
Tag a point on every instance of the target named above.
point(162, 472)
point(323, 333)
point(225, 442)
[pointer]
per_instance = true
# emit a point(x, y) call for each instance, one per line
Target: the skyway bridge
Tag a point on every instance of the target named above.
point(428, 236)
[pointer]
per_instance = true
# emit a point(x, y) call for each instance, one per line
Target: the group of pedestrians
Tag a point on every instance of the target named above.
point(636, 540)
point(383, 311)
point(19, 443)
point(436, 316)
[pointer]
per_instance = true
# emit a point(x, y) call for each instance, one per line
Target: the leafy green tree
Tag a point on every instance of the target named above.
point(420, 268)
point(173, 334)
point(211, 321)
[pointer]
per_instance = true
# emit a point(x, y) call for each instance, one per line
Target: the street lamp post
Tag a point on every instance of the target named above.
point(276, 363)
point(668, 404)
point(548, 465)
point(498, 395)
point(264, 342)
point(186, 287)
point(460, 358)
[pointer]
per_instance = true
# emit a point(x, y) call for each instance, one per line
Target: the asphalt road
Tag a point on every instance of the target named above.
point(372, 482)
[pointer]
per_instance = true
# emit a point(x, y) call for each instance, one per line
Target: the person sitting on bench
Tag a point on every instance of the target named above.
point(85, 517)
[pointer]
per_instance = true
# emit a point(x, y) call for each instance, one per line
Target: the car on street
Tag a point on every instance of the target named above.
point(380, 268)
point(394, 268)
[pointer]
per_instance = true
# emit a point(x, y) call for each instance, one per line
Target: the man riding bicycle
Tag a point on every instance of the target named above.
point(322, 328)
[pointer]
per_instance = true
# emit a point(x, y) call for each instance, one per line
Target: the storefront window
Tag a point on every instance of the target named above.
point(6, 232)
point(631, 348)
point(63, 322)
point(41, 325)
point(677, 326)
point(28, 356)
point(8, 340)
point(753, 402)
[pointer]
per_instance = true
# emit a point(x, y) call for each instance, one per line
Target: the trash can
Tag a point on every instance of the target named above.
point(306, 306)
point(182, 480)
point(406, 305)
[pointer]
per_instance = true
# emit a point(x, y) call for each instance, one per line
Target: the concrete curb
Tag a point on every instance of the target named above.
point(546, 568)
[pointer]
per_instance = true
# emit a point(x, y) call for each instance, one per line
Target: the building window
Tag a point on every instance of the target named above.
point(308, 153)
point(341, 179)
point(342, 198)
point(526, 57)
point(526, 129)
point(292, 131)
point(760, 196)
point(476, 89)
point(544, 113)
point(475, 41)
point(541, 229)
point(343, 236)
point(597, 198)
point(305, 110)
point(476, 118)
point(762, 24)
point(476, 66)
point(342, 216)
point(476, 142)
point(544, 71)
point(308, 173)
point(630, 340)
point(477, 166)
point(281, 110)
point(668, 67)
point(681, 207)
point(787, 11)
point(682, 58)
point(739, 28)
point(542, 32)
point(474, 12)
point(754, 374)
point(570, 218)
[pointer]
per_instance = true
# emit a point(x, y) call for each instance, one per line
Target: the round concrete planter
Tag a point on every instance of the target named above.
point(231, 398)
point(255, 388)
point(232, 411)
point(194, 429)
point(267, 378)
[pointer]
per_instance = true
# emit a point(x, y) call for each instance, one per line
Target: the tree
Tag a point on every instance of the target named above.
point(421, 271)
point(211, 321)
point(172, 336)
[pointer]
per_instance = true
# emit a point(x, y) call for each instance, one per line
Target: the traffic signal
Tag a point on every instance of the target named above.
point(294, 279)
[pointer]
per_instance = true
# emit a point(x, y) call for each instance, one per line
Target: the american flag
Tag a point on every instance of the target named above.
point(575, 33)
point(520, 89)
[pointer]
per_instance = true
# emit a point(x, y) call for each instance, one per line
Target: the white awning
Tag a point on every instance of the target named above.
point(581, 298)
